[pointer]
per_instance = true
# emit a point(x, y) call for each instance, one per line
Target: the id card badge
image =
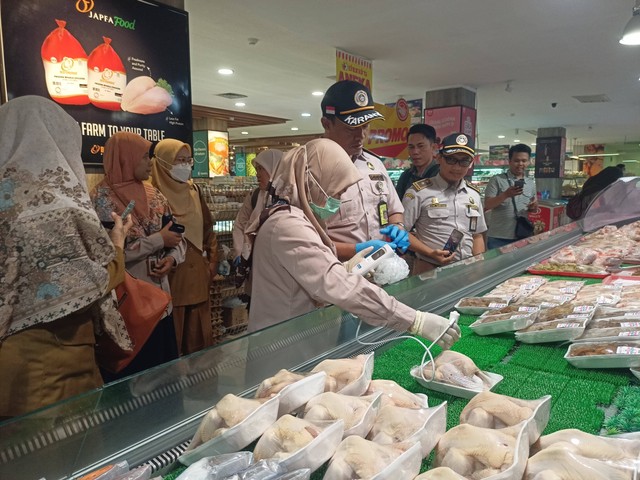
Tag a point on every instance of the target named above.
point(383, 213)
point(473, 224)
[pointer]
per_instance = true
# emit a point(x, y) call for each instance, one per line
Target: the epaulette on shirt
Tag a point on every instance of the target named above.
point(420, 184)
point(472, 186)
point(371, 153)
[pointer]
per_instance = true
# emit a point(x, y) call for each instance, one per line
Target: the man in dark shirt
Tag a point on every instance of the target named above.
point(421, 141)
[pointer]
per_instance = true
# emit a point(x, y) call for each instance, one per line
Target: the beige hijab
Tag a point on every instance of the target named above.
point(331, 167)
point(182, 196)
point(268, 159)
point(54, 249)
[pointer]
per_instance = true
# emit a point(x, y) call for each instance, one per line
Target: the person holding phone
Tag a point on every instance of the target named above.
point(500, 191)
point(190, 281)
point(444, 213)
point(151, 249)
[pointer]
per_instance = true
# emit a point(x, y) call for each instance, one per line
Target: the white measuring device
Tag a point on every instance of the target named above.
point(368, 263)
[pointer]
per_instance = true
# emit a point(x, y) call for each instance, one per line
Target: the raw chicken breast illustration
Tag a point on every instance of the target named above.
point(476, 452)
point(334, 406)
point(359, 458)
point(341, 372)
point(491, 410)
point(272, 385)
point(285, 437)
point(144, 96)
point(228, 412)
point(394, 394)
point(560, 464)
point(440, 473)
point(457, 369)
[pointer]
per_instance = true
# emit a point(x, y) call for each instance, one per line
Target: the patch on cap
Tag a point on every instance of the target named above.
point(361, 98)
point(461, 140)
point(458, 143)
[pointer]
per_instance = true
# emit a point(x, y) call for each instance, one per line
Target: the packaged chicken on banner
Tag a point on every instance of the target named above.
point(107, 77)
point(65, 67)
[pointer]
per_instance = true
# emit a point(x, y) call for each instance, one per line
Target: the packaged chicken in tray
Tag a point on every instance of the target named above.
point(599, 294)
point(518, 286)
point(396, 424)
point(604, 354)
point(357, 458)
point(546, 300)
point(394, 394)
point(293, 390)
point(299, 443)
point(557, 324)
point(612, 324)
point(479, 305)
point(349, 376)
point(357, 413)
point(492, 410)
point(508, 319)
point(455, 374)
point(230, 426)
point(560, 287)
point(484, 453)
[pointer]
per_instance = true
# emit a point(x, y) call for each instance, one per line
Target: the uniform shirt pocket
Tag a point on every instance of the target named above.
point(434, 212)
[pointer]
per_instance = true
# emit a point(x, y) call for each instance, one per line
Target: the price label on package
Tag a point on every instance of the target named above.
point(583, 309)
point(625, 350)
point(632, 314)
point(569, 325)
point(629, 324)
point(633, 333)
point(528, 309)
point(497, 305)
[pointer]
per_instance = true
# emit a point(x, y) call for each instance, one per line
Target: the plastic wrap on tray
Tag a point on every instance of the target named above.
point(544, 300)
point(349, 376)
point(612, 333)
point(604, 354)
point(479, 305)
point(505, 322)
point(357, 413)
point(394, 394)
point(603, 312)
point(219, 466)
point(558, 287)
point(569, 312)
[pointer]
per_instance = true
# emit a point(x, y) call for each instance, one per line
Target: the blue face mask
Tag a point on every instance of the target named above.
point(331, 206)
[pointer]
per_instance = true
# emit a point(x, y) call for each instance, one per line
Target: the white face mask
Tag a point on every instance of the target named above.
point(181, 172)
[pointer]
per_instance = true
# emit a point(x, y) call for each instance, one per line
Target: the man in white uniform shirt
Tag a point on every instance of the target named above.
point(434, 207)
point(370, 211)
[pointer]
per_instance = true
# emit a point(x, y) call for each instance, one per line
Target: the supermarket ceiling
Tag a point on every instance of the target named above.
point(545, 51)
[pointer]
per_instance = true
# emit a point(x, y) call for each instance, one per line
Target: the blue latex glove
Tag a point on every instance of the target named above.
point(398, 236)
point(376, 244)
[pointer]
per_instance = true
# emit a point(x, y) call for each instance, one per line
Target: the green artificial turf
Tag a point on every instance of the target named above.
point(579, 396)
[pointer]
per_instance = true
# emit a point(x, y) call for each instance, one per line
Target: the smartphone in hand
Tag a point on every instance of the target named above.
point(454, 241)
point(128, 209)
point(519, 183)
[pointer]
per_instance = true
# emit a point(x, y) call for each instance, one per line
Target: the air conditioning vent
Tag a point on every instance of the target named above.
point(601, 98)
point(231, 95)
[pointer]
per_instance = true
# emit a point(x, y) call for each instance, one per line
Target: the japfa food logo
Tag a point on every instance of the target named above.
point(86, 6)
point(402, 109)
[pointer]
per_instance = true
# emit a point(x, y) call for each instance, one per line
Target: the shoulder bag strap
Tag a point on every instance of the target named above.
point(513, 200)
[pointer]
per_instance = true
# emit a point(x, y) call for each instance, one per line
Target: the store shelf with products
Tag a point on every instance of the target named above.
point(572, 184)
point(482, 174)
point(152, 416)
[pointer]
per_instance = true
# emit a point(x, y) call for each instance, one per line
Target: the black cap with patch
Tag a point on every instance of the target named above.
point(350, 102)
point(457, 143)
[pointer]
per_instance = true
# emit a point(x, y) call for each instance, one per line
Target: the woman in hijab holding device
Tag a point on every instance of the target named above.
point(151, 249)
point(190, 281)
point(295, 267)
point(58, 264)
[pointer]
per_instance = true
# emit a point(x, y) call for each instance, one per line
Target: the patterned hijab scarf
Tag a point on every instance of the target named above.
point(331, 168)
point(183, 197)
point(54, 249)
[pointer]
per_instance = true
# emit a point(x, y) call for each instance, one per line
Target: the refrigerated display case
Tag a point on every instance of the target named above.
point(150, 417)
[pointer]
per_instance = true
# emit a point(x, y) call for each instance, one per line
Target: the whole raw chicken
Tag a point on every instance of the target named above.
point(440, 473)
point(271, 386)
point(341, 372)
point(357, 458)
point(394, 394)
point(476, 452)
point(457, 369)
point(612, 450)
point(285, 437)
point(491, 410)
point(335, 406)
point(561, 464)
point(396, 424)
point(228, 412)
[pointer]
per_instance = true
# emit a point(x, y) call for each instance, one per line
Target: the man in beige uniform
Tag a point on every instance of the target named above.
point(370, 210)
point(436, 206)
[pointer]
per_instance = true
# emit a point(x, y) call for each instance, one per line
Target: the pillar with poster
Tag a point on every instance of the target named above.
point(549, 170)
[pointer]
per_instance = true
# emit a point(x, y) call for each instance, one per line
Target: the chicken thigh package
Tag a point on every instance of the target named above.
point(349, 376)
point(293, 390)
point(357, 458)
point(230, 426)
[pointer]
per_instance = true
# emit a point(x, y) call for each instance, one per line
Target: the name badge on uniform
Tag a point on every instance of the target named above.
point(473, 224)
point(376, 177)
point(383, 213)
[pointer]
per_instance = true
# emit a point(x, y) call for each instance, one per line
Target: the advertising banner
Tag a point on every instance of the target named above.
point(550, 157)
point(218, 152)
point(448, 120)
point(241, 164)
point(200, 154)
point(113, 65)
point(498, 155)
point(251, 170)
point(388, 137)
point(353, 67)
point(593, 164)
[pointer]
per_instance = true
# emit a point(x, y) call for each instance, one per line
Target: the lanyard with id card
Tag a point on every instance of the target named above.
point(383, 208)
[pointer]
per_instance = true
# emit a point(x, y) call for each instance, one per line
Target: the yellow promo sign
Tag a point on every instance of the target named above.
point(353, 67)
point(388, 137)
